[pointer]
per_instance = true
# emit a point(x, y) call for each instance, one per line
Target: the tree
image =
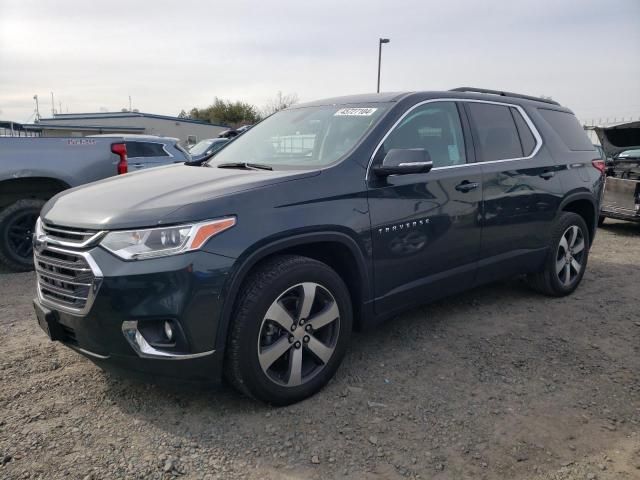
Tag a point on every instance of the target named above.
point(227, 112)
point(183, 114)
point(280, 102)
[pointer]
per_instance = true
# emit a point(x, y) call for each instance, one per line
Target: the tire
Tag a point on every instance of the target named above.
point(601, 220)
point(282, 284)
point(17, 222)
point(554, 279)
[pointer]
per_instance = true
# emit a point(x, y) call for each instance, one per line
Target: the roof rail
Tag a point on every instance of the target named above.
point(503, 94)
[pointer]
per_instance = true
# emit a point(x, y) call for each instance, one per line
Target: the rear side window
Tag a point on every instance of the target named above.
point(566, 125)
point(145, 149)
point(527, 139)
point(496, 128)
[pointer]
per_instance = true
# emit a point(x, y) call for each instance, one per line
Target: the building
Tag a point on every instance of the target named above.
point(83, 124)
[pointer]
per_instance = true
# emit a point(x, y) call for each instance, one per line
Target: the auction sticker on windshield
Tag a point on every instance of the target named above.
point(354, 112)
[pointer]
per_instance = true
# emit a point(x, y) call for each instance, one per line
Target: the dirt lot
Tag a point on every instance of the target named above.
point(498, 383)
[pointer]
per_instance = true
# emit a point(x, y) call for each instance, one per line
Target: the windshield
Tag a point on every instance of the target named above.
point(200, 147)
point(307, 137)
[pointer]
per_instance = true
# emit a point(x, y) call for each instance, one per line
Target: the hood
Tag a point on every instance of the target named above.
point(618, 138)
point(146, 198)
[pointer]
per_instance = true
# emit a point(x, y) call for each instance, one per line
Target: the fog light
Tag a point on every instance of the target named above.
point(168, 331)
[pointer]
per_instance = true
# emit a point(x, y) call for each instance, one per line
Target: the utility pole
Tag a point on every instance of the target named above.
point(129, 102)
point(380, 42)
point(53, 105)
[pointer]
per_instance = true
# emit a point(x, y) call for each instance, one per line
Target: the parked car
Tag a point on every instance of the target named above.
point(324, 217)
point(34, 169)
point(207, 147)
point(146, 151)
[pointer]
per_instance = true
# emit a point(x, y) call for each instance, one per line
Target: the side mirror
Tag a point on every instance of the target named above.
point(404, 161)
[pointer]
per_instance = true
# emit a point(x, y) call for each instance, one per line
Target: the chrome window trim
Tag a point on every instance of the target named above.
point(524, 114)
point(93, 291)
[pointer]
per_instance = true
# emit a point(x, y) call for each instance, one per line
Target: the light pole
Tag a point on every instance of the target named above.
point(380, 42)
point(35, 97)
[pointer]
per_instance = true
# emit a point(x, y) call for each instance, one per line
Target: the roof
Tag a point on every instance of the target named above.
point(136, 136)
point(353, 99)
point(461, 93)
point(98, 128)
point(102, 115)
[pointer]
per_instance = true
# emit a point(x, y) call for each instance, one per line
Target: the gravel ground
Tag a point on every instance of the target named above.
point(497, 383)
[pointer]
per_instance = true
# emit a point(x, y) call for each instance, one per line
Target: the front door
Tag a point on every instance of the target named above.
point(425, 227)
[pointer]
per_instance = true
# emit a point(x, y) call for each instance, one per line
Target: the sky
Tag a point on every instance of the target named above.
point(174, 55)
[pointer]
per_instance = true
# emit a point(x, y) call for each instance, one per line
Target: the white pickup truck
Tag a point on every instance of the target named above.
point(34, 169)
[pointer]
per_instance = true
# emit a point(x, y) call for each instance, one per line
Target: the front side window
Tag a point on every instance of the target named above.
point(498, 136)
point(306, 137)
point(201, 147)
point(433, 126)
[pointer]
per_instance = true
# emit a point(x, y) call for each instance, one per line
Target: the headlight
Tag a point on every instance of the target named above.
point(163, 241)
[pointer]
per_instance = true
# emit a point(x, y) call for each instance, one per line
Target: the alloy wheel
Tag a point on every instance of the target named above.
point(20, 234)
point(570, 255)
point(298, 334)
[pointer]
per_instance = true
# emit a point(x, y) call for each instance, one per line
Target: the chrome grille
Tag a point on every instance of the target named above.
point(66, 279)
point(70, 237)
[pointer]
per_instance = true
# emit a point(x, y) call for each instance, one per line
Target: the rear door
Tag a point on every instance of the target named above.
point(521, 189)
point(425, 227)
point(146, 154)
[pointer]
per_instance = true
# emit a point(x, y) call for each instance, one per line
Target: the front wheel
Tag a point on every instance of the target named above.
point(17, 223)
point(290, 330)
point(566, 261)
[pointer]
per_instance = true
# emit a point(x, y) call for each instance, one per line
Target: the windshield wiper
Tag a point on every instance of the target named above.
point(248, 166)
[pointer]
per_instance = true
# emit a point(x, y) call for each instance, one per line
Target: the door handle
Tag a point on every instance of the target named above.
point(467, 186)
point(547, 175)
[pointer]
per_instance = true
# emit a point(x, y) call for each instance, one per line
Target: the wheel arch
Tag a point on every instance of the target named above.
point(338, 250)
point(583, 204)
point(14, 189)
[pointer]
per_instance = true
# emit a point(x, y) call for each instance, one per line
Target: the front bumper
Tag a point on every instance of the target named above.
point(186, 290)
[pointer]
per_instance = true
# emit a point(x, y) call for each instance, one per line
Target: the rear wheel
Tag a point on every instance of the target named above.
point(566, 261)
point(290, 330)
point(17, 223)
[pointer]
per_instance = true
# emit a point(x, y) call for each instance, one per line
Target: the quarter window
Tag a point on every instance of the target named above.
point(498, 136)
point(566, 125)
point(436, 128)
point(145, 149)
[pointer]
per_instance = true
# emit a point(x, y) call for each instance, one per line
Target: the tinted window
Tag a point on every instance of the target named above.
point(566, 125)
point(145, 149)
point(527, 139)
point(434, 127)
point(499, 138)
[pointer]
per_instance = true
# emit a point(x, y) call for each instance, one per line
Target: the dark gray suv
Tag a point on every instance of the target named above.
point(325, 217)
